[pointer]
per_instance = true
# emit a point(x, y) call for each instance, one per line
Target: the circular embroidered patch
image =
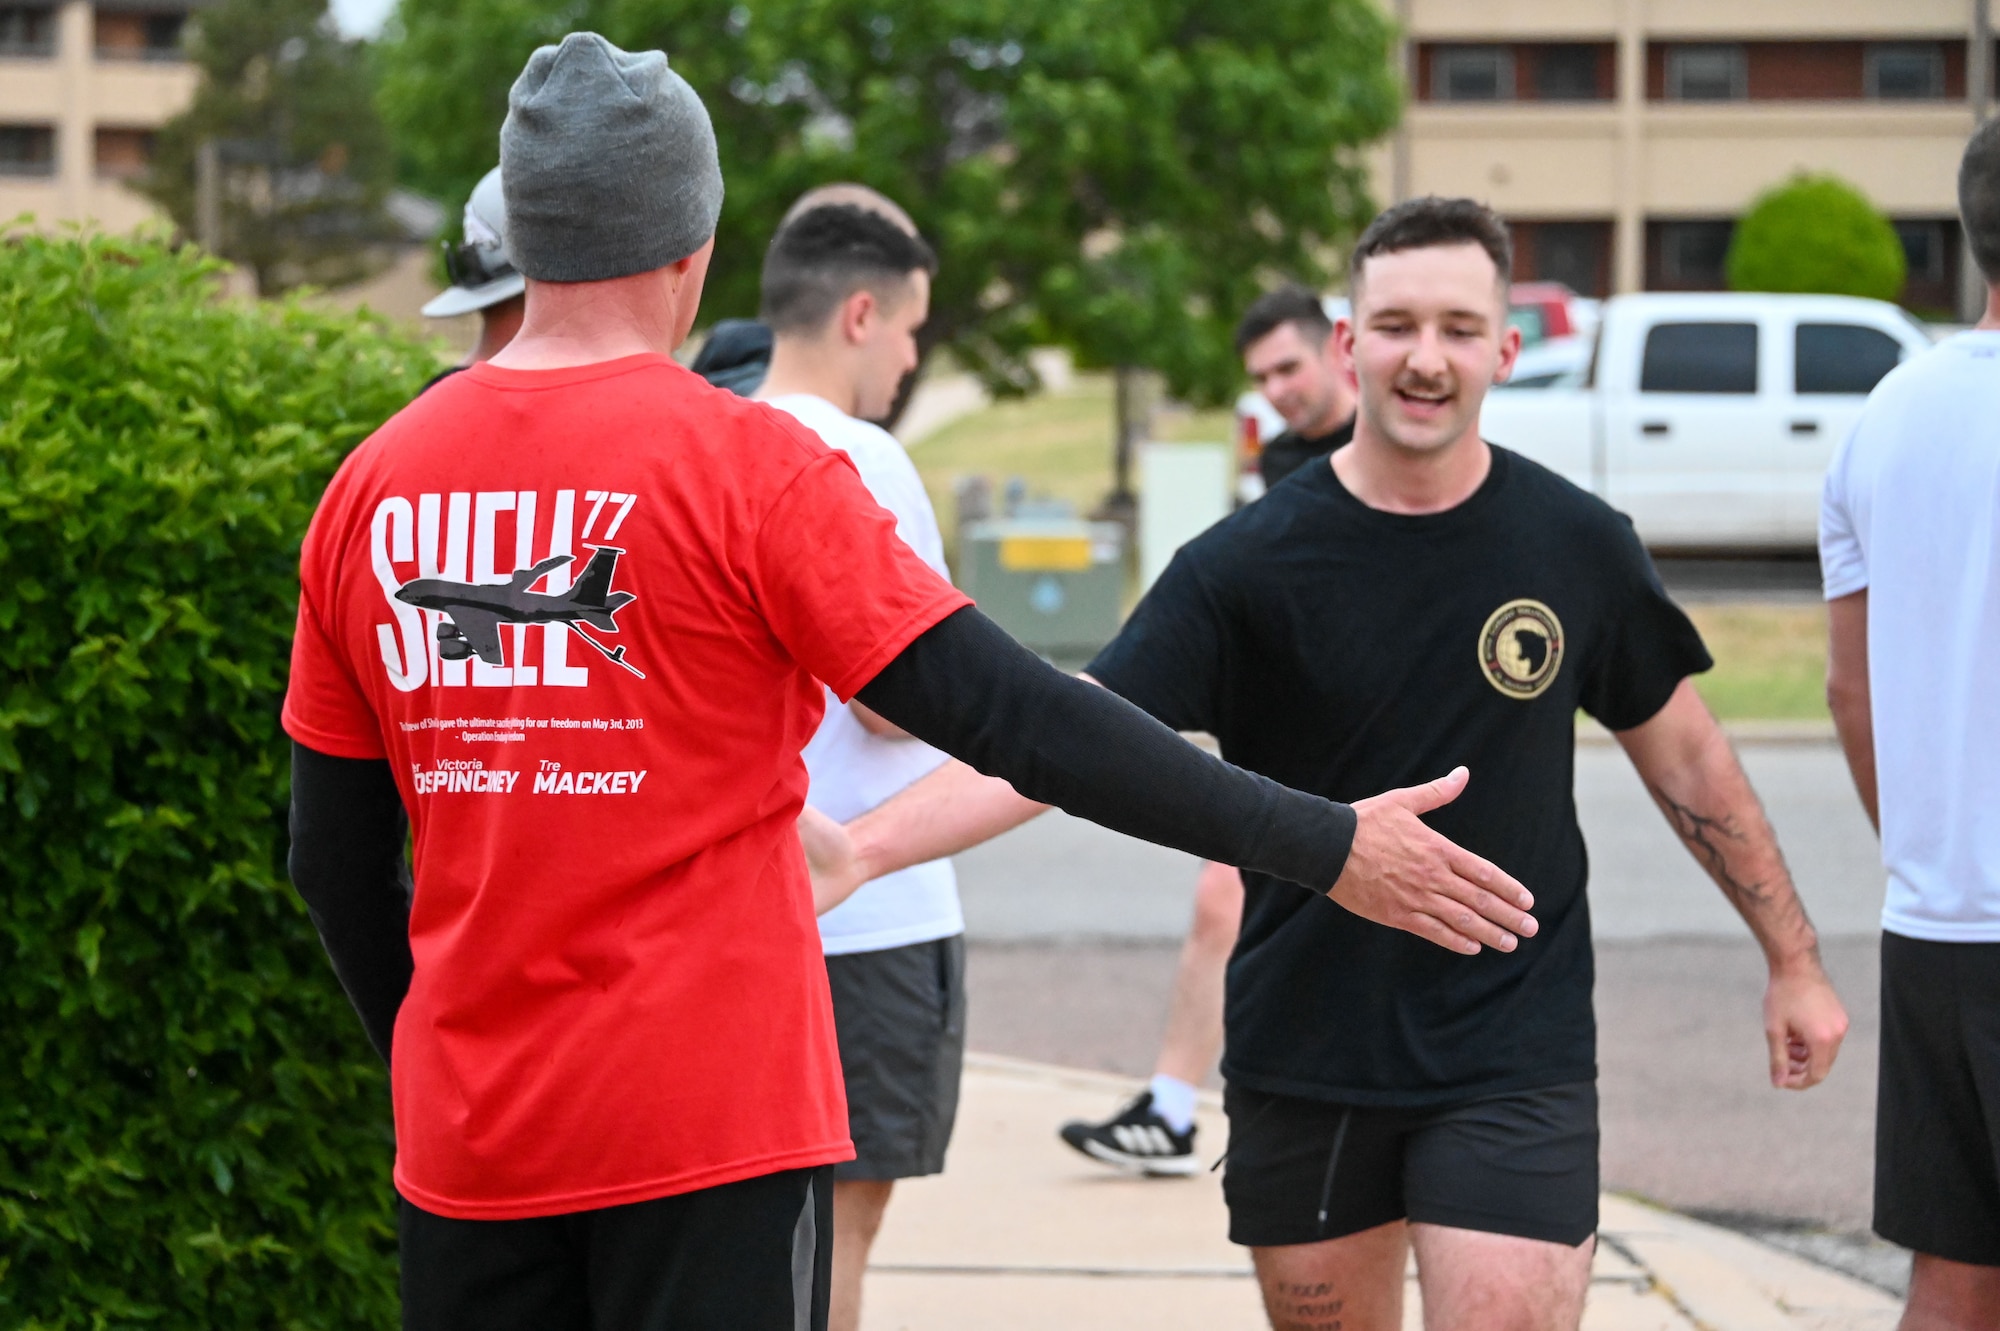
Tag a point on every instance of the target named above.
point(1521, 648)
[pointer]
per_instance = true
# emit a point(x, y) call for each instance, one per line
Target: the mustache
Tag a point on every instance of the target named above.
point(1417, 384)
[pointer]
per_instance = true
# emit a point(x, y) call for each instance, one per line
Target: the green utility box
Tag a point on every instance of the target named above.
point(1054, 583)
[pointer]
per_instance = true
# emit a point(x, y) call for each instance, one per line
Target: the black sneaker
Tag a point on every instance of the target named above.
point(1136, 1139)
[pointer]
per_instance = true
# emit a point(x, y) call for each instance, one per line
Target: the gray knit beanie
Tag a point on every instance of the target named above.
point(608, 161)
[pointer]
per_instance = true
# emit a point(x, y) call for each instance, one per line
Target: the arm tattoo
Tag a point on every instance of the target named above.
point(1708, 839)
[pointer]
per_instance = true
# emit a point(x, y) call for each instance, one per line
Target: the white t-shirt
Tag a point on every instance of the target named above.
point(853, 771)
point(1911, 512)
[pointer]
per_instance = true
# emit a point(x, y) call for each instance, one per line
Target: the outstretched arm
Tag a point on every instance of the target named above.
point(949, 810)
point(347, 863)
point(967, 688)
point(1695, 778)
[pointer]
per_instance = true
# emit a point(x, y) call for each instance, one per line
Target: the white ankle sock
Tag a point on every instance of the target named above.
point(1173, 1100)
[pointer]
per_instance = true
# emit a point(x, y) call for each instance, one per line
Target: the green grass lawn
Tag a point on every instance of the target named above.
point(1770, 660)
point(1059, 443)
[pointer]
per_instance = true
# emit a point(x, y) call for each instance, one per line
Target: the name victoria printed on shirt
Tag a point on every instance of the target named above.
point(470, 776)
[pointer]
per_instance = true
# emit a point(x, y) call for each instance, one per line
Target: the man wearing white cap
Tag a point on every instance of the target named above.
point(483, 277)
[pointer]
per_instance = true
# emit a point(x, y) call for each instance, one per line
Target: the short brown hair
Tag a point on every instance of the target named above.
point(1419, 224)
point(1289, 304)
point(1979, 198)
point(826, 254)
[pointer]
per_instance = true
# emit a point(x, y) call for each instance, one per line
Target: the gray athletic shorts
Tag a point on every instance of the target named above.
point(900, 1016)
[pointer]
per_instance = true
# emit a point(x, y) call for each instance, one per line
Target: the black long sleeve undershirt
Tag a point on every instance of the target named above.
point(967, 688)
point(963, 686)
point(347, 862)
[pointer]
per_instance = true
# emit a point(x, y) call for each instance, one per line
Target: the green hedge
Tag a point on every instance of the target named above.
point(193, 1131)
point(1816, 234)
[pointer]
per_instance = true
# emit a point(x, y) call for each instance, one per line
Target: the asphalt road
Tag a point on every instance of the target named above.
point(1075, 932)
point(1791, 578)
point(1062, 878)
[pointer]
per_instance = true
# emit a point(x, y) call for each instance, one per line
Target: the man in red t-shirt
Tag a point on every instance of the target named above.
point(571, 610)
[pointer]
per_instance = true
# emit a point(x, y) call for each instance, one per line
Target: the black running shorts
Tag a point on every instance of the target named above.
point(748, 1256)
point(1301, 1171)
point(900, 1017)
point(1937, 1104)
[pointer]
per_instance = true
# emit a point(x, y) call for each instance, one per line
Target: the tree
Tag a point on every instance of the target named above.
point(1117, 176)
point(1816, 234)
point(285, 134)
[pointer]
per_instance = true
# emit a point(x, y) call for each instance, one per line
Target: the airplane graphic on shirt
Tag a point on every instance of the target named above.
point(473, 612)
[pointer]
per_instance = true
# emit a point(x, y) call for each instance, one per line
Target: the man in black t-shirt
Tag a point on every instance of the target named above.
point(1422, 600)
point(1286, 342)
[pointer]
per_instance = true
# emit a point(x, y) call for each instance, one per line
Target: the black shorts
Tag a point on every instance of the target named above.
point(1937, 1102)
point(900, 1016)
point(1301, 1171)
point(749, 1256)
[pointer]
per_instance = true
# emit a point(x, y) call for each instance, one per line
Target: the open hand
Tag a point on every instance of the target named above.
point(830, 857)
point(1804, 1024)
point(1403, 874)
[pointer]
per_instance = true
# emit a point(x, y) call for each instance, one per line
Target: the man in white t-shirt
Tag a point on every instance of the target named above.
point(846, 284)
point(1910, 544)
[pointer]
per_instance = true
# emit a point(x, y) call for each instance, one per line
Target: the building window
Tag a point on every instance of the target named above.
point(1518, 71)
point(27, 30)
point(1904, 71)
point(1566, 73)
point(1692, 254)
point(1707, 74)
point(155, 36)
point(1700, 358)
point(124, 154)
point(1472, 74)
point(1923, 249)
point(1932, 251)
point(1576, 254)
point(27, 150)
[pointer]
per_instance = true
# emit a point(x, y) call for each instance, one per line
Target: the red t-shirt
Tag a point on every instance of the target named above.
point(582, 613)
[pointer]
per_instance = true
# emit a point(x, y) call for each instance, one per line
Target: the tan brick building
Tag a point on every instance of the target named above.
point(1622, 137)
point(83, 87)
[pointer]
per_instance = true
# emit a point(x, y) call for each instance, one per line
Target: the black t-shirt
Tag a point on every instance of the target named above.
point(1347, 651)
point(1292, 450)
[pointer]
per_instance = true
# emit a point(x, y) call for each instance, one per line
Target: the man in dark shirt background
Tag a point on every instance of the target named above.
point(1422, 599)
point(1286, 342)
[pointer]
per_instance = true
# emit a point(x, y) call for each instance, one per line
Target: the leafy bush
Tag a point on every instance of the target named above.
point(1816, 234)
point(193, 1131)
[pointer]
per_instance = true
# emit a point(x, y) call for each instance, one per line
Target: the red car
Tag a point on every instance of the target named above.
point(1542, 310)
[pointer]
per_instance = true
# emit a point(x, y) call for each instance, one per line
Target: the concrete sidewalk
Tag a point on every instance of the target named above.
point(1021, 1232)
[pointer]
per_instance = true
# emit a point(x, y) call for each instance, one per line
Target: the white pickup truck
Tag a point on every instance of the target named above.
point(1710, 418)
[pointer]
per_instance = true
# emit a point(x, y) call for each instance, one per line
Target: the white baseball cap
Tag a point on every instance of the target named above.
point(481, 271)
